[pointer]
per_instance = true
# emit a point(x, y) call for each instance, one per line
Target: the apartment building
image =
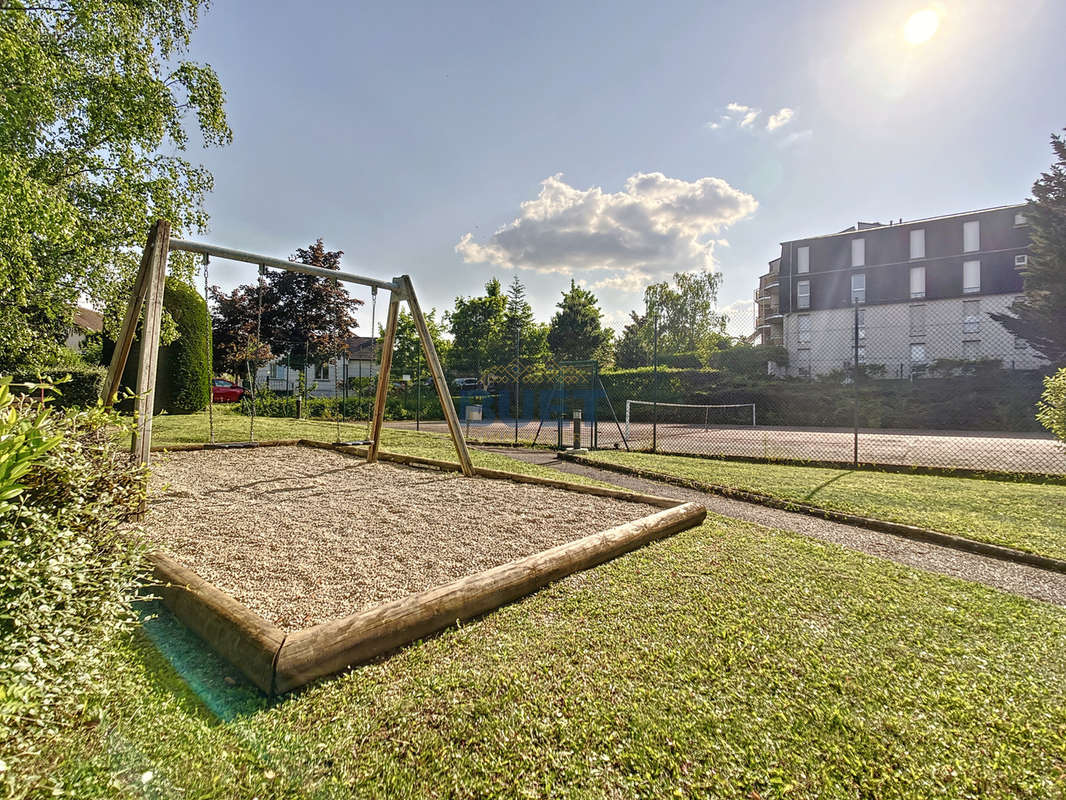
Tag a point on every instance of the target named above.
point(900, 295)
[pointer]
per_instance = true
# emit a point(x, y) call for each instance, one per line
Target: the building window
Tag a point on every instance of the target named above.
point(971, 316)
point(971, 350)
point(917, 320)
point(971, 236)
point(861, 323)
point(1021, 260)
point(803, 294)
point(803, 259)
point(322, 371)
point(1019, 219)
point(918, 243)
point(971, 277)
point(858, 287)
point(860, 354)
point(917, 353)
point(804, 365)
point(803, 328)
point(917, 283)
point(858, 252)
point(277, 370)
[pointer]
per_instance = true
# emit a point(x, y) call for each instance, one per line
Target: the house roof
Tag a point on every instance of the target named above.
point(361, 348)
point(861, 226)
point(89, 320)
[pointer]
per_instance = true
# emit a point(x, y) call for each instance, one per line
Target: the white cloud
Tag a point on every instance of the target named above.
point(741, 315)
point(740, 116)
point(654, 226)
point(625, 281)
point(782, 117)
point(797, 136)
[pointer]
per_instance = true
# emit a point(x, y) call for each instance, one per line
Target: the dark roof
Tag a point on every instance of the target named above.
point(89, 320)
point(361, 348)
point(868, 225)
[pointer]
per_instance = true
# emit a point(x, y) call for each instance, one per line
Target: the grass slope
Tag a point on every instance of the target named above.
point(1027, 516)
point(728, 661)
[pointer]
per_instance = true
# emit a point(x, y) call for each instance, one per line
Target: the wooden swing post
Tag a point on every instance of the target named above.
point(148, 294)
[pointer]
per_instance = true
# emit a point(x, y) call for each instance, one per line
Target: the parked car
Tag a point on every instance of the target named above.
point(223, 391)
point(466, 384)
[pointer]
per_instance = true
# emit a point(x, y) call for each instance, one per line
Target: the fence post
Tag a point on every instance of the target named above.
point(655, 383)
point(855, 389)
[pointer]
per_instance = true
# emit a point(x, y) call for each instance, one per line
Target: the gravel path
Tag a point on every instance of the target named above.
point(302, 536)
point(1026, 581)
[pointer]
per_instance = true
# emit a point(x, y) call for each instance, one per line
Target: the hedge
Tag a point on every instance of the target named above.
point(183, 379)
point(82, 390)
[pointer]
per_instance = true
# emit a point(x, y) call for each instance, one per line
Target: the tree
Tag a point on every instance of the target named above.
point(237, 340)
point(96, 104)
point(687, 320)
point(407, 351)
point(308, 317)
point(475, 325)
point(632, 349)
point(1040, 316)
point(518, 328)
point(184, 364)
point(575, 332)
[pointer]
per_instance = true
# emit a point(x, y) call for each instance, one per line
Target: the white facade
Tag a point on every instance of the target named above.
point(904, 338)
point(322, 380)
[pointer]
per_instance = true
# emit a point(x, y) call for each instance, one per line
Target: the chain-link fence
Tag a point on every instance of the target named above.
point(911, 383)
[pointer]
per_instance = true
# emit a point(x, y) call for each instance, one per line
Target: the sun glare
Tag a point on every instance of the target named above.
point(921, 26)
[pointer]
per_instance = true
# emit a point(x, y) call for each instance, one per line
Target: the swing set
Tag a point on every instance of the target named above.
point(147, 295)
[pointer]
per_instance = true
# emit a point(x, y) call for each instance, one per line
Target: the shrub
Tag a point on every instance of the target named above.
point(67, 571)
point(184, 364)
point(183, 377)
point(1051, 411)
point(82, 390)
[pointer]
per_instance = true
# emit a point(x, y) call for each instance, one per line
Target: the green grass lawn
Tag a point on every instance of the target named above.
point(168, 430)
point(1027, 516)
point(728, 661)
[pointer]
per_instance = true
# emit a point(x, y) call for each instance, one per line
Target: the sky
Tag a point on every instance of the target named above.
point(613, 143)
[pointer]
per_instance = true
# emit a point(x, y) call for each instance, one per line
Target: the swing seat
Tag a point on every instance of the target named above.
point(357, 443)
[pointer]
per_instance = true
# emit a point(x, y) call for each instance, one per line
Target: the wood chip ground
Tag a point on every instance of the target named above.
point(302, 536)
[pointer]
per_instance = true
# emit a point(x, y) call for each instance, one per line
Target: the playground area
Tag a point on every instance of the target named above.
point(301, 536)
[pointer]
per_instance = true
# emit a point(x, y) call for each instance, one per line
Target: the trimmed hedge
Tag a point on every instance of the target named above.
point(183, 379)
point(81, 391)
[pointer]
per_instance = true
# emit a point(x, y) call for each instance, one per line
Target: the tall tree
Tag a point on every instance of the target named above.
point(96, 104)
point(307, 317)
point(688, 321)
point(407, 354)
point(475, 324)
point(237, 340)
point(518, 329)
point(575, 332)
point(632, 349)
point(1040, 316)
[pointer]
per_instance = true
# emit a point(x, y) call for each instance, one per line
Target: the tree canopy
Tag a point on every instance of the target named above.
point(575, 332)
point(1040, 316)
point(96, 107)
point(476, 324)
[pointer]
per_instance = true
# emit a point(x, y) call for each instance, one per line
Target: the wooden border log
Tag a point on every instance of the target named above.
point(242, 637)
point(333, 646)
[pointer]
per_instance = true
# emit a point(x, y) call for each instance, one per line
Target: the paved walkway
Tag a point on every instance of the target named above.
point(1032, 582)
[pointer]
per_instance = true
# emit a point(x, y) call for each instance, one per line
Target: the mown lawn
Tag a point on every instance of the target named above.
point(168, 430)
point(1027, 516)
point(728, 661)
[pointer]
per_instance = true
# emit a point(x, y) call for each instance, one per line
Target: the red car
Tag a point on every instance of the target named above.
point(223, 391)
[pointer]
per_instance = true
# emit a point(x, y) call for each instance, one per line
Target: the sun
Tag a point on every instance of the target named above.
point(921, 27)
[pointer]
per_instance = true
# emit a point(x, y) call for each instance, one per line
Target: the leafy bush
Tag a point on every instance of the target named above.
point(184, 364)
point(1051, 411)
point(81, 391)
point(183, 377)
point(67, 572)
